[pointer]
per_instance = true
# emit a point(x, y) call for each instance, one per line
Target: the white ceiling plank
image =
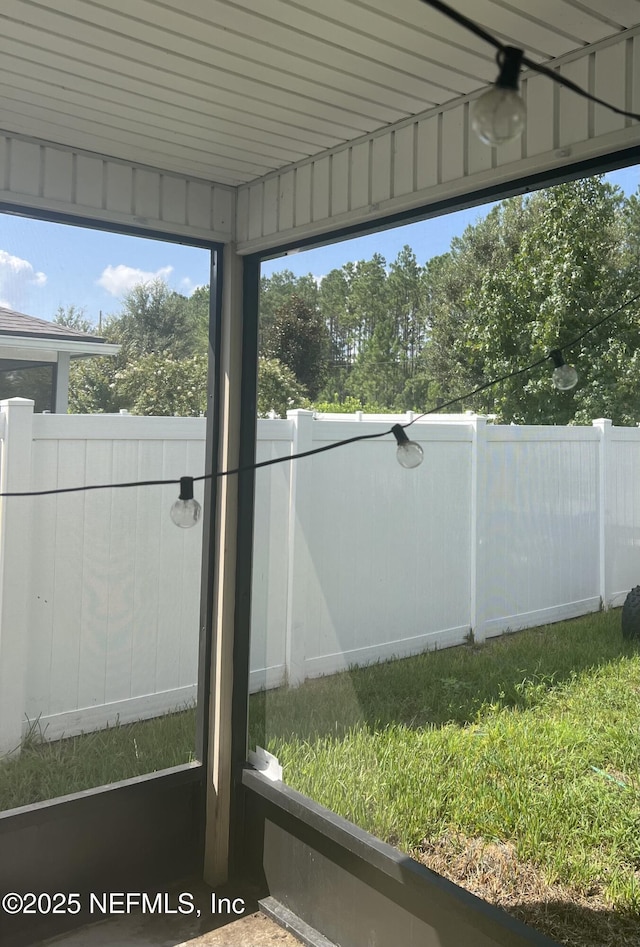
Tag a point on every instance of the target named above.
point(274, 110)
point(621, 12)
point(47, 25)
point(199, 43)
point(570, 19)
point(335, 47)
point(97, 141)
point(431, 51)
point(510, 27)
point(86, 118)
point(128, 116)
point(435, 30)
point(189, 121)
point(53, 70)
point(322, 109)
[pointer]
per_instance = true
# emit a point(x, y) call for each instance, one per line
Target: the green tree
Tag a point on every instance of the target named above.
point(156, 319)
point(198, 313)
point(378, 375)
point(74, 317)
point(161, 385)
point(333, 300)
point(93, 385)
point(298, 338)
point(452, 283)
point(278, 389)
point(163, 340)
point(275, 292)
point(532, 276)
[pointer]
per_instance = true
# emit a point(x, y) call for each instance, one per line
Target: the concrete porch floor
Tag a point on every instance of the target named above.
point(253, 929)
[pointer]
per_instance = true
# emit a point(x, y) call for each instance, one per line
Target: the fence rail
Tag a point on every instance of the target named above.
point(355, 558)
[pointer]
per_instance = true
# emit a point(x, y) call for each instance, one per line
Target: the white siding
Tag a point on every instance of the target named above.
point(436, 156)
point(42, 177)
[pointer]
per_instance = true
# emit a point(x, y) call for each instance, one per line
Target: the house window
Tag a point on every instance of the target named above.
point(21, 380)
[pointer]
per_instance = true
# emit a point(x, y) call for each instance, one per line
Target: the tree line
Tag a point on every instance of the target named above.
point(529, 277)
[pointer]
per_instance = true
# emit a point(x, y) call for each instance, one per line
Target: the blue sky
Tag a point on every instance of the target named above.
point(45, 265)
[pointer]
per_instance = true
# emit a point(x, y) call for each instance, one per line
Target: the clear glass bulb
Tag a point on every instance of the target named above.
point(565, 377)
point(409, 454)
point(499, 115)
point(185, 513)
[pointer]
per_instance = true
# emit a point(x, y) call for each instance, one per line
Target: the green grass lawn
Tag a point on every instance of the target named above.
point(530, 742)
point(515, 759)
point(45, 770)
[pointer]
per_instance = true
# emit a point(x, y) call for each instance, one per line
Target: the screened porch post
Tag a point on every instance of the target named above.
point(218, 797)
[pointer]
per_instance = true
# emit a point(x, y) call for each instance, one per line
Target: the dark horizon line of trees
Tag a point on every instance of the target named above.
point(530, 276)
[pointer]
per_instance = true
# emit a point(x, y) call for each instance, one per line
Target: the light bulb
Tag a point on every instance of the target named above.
point(564, 376)
point(186, 511)
point(409, 453)
point(500, 115)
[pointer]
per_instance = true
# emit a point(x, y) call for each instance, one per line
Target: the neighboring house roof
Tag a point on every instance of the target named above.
point(27, 338)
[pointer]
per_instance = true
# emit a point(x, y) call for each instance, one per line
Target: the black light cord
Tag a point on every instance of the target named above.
point(483, 34)
point(336, 444)
point(528, 368)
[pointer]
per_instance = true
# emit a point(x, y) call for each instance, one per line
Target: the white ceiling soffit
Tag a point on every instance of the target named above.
point(231, 91)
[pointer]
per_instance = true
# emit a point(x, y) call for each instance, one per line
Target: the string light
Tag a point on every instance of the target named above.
point(186, 511)
point(500, 111)
point(398, 430)
point(499, 115)
point(564, 376)
point(409, 453)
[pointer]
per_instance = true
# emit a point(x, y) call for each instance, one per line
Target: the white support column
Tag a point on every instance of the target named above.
point(300, 501)
point(604, 425)
point(216, 861)
point(61, 394)
point(15, 568)
point(478, 449)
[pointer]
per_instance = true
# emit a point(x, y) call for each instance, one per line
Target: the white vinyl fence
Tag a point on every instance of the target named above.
point(355, 558)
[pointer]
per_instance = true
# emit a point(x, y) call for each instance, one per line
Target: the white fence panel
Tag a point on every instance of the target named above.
point(270, 557)
point(622, 501)
point(355, 558)
point(383, 558)
point(115, 596)
point(538, 556)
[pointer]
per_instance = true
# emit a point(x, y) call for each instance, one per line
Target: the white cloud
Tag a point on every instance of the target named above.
point(120, 279)
point(17, 276)
point(188, 287)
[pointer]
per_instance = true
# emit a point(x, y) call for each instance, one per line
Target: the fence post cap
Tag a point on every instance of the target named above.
point(17, 402)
